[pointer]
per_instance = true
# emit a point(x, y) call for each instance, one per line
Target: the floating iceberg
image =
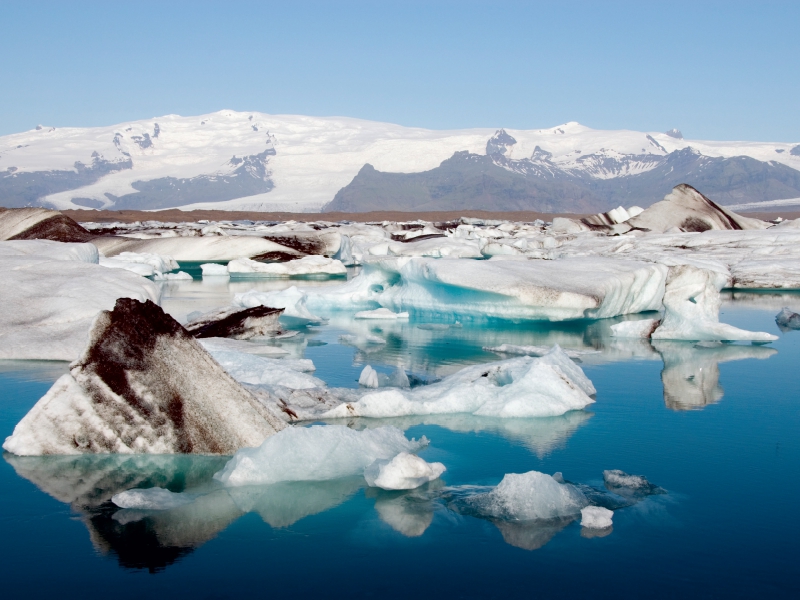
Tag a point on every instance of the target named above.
point(154, 498)
point(263, 371)
point(236, 322)
point(518, 387)
point(143, 385)
point(40, 224)
point(596, 517)
point(635, 329)
point(47, 249)
point(194, 248)
point(214, 270)
point(306, 266)
point(380, 313)
point(145, 264)
point(555, 290)
point(214, 344)
point(49, 304)
point(624, 484)
point(179, 276)
point(527, 497)
point(292, 300)
point(692, 302)
point(786, 319)
point(368, 377)
point(534, 350)
point(403, 472)
point(315, 454)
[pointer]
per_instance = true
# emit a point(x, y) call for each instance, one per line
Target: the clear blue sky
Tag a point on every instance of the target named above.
point(716, 70)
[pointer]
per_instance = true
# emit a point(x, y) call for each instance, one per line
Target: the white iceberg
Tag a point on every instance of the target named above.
point(179, 276)
point(292, 300)
point(403, 472)
point(368, 377)
point(518, 387)
point(529, 496)
point(49, 305)
point(596, 517)
point(315, 454)
point(692, 302)
point(380, 313)
point(788, 319)
point(145, 264)
point(261, 370)
point(214, 270)
point(635, 329)
point(193, 248)
point(154, 498)
point(308, 265)
point(74, 251)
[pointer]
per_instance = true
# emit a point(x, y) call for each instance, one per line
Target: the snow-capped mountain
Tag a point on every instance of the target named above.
point(254, 161)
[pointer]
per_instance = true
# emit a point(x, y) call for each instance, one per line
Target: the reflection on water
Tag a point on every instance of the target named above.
point(540, 435)
point(691, 371)
point(531, 535)
point(409, 512)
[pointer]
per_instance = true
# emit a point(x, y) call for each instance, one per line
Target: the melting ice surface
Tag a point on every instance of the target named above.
point(711, 427)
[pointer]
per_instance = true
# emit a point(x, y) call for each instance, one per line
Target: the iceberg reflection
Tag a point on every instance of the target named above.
point(691, 371)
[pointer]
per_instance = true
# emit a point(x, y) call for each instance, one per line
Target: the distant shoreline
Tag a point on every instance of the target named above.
point(179, 216)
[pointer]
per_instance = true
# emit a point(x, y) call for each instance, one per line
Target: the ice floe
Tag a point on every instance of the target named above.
point(642, 328)
point(520, 387)
point(624, 484)
point(49, 304)
point(236, 322)
point(787, 319)
point(292, 300)
point(403, 472)
point(214, 270)
point(596, 517)
point(691, 302)
point(529, 496)
point(314, 454)
point(141, 263)
point(143, 385)
point(204, 248)
point(306, 266)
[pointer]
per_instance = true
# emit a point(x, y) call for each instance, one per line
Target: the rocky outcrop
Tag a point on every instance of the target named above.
point(143, 385)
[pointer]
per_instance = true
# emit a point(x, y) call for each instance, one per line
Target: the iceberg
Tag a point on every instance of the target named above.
point(380, 313)
point(205, 248)
point(292, 300)
point(635, 329)
point(686, 209)
point(236, 322)
point(623, 484)
point(306, 266)
point(403, 472)
point(691, 302)
point(518, 387)
point(596, 517)
point(534, 350)
point(145, 264)
point(179, 276)
point(214, 270)
point(527, 497)
point(143, 385)
point(154, 498)
point(214, 344)
point(264, 371)
point(570, 288)
point(315, 453)
point(47, 249)
point(368, 377)
point(40, 224)
point(49, 304)
point(787, 320)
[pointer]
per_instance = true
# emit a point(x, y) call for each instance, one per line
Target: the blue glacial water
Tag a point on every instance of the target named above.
point(717, 427)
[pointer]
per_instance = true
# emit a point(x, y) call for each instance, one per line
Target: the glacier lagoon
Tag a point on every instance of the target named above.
point(715, 425)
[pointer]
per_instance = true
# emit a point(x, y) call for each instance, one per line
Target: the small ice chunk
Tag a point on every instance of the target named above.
point(179, 276)
point(787, 319)
point(292, 300)
point(404, 472)
point(635, 329)
point(530, 496)
point(368, 377)
point(214, 270)
point(380, 313)
point(154, 498)
point(624, 484)
point(315, 454)
point(596, 517)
